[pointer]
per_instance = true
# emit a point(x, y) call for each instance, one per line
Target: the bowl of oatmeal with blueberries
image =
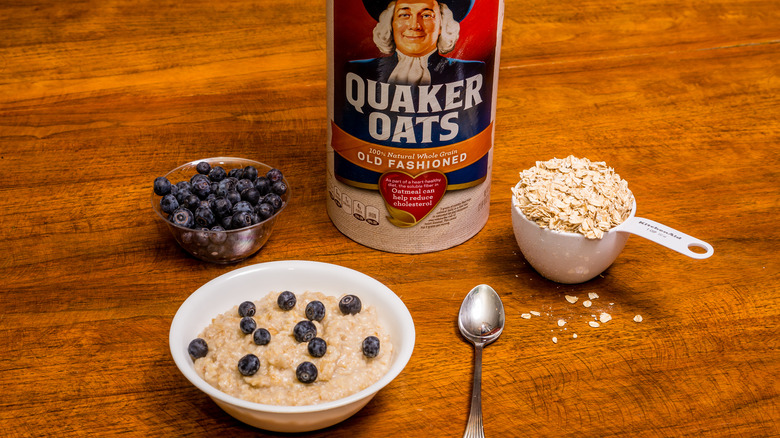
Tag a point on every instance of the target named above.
point(292, 346)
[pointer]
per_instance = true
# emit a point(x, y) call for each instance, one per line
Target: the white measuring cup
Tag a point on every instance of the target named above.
point(572, 258)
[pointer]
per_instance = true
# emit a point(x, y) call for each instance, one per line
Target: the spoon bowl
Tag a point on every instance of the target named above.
point(481, 316)
point(481, 321)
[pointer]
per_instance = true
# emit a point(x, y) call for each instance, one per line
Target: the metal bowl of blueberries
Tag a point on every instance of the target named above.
point(222, 209)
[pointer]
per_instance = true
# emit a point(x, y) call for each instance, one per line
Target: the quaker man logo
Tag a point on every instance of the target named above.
point(415, 33)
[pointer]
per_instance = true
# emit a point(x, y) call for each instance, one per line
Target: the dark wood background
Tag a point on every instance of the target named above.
point(97, 98)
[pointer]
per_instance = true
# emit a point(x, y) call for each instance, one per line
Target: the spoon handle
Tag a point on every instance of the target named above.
point(474, 425)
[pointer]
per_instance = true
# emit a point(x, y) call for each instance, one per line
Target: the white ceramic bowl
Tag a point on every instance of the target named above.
point(566, 257)
point(252, 282)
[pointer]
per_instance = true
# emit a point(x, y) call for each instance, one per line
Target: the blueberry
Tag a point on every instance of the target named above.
point(262, 336)
point(201, 236)
point(211, 199)
point(183, 217)
point(222, 207)
point(350, 305)
point(274, 175)
point(371, 346)
point(191, 202)
point(233, 196)
point(186, 237)
point(315, 311)
point(304, 331)
point(225, 186)
point(236, 173)
point(306, 372)
point(174, 190)
point(217, 174)
point(227, 222)
point(273, 199)
point(198, 348)
point(202, 188)
point(317, 347)
point(250, 173)
point(263, 185)
point(240, 220)
point(198, 177)
point(265, 211)
point(162, 186)
point(247, 324)
point(243, 184)
point(182, 194)
point(248, 365)
point(169, 204)
point(184, 185)
point(247, 308)
point(204, 217)
point(255, 217)
point(286, 300)
point(279, 188)
point(217, 235)
point(242, 206)
point(251, 195)
point(203, 168)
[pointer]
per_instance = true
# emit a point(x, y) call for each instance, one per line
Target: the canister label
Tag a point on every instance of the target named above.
point(411, 103)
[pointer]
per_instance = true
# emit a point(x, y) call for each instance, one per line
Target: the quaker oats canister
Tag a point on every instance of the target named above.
point(411, 105)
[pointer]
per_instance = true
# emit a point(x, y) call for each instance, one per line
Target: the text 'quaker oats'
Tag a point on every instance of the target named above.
point(573, 195)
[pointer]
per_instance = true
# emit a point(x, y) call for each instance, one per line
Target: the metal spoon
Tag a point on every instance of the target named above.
point(481, 321)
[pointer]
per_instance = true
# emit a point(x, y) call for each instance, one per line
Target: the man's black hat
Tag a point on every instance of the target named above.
point(459, 8)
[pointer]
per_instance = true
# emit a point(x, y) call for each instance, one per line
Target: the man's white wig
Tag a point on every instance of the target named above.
point(383, 31)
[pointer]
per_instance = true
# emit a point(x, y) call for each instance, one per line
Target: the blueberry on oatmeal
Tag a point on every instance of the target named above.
point(262, 336)
point(304, 331)
point(286, 300)
point(247, 324)
point(306, 372)
point(198, 348)
point(315, 311)
point(248, 365)
point(350, 304)
point(247, 308)
point(317, 347)
point(371, 346)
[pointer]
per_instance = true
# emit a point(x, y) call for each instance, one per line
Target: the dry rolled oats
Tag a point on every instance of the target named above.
point(573, 195)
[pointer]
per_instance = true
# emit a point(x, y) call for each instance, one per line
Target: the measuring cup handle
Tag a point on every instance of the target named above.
point(668, 237)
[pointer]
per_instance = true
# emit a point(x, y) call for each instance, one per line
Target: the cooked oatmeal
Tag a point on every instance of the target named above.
point(342, 371)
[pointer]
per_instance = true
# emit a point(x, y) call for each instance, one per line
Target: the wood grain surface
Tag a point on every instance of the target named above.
point(682, 98)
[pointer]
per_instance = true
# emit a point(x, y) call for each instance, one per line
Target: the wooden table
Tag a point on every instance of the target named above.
point(682, 98)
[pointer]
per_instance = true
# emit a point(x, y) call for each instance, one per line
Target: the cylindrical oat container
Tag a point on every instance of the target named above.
point(411, 105)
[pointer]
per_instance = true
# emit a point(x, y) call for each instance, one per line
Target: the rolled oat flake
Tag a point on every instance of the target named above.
point(411, 107)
